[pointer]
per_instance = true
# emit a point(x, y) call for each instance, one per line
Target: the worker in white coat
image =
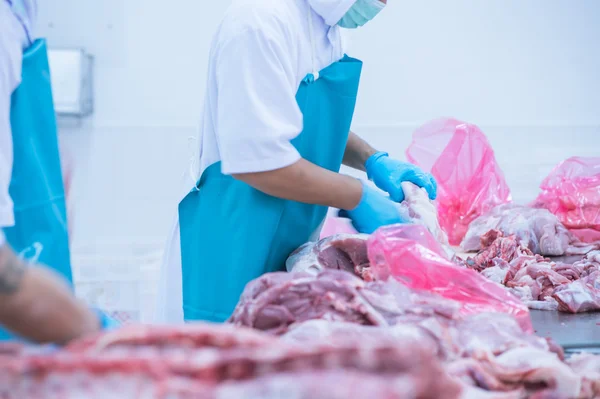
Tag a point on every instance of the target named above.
point(32, 197)
point(275, 131)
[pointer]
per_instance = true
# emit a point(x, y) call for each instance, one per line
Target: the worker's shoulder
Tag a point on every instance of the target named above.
point(268, 16)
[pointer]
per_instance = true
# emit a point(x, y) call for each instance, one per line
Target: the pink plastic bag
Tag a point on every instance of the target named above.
point(412, 263)
point(572, 192)
point(470, 181)
point(336, 225)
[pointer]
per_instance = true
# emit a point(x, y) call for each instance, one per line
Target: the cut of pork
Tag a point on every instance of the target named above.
point(285, 299)
point(288, 298)
point(346, 252)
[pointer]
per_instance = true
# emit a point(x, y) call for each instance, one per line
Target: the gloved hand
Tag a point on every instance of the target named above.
point(373, 211)
point(388, 174)
point(106, 322)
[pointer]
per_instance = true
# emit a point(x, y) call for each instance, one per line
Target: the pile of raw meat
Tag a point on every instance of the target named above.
point(518, 248)
point(484, 354)
point(222, 362)
point(539, 282)
point(303, 335)
point(536, 229)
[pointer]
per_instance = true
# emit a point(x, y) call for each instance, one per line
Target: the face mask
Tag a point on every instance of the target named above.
point(360, 13)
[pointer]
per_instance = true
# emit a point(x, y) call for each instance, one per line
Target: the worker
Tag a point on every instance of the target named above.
point(37, 305)
point(274, 133)
point(32, 200)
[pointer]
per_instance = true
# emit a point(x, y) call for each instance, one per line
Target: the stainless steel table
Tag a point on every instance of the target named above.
point(574, 332)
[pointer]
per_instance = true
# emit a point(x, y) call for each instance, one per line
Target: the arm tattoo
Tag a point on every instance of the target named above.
point(12, 270)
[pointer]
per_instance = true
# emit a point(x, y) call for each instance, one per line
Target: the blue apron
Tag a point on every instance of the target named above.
point(36, 187)
point(232, 233)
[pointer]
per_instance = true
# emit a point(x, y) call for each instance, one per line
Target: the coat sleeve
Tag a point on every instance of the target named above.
point(257, 113)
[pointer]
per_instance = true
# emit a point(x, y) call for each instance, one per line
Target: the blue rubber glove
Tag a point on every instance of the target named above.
point(373, 211)
point(107, 323)
point(388, 174)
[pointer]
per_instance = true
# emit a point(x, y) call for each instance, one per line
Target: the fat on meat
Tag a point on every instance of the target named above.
point(527, 370)
point(579, 296)
point(588, 367)
point(421, 210)
point(494, 334)
point(419, 383)
point(315, 331)
point(537, 229)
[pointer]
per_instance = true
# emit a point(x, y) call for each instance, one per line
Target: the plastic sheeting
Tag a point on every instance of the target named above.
point(572, 192)
point(468, 188)
point(412, 256)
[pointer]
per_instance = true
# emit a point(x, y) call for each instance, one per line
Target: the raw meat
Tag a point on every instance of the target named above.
point(349, 251)
point(448, 338)
point(499, 250)
point(138, 364)
point(540, 283)
point(466, 189)
point(588, 367)
point(582, 295)
point(315, 331)
point(536, 229)
point(276, 301)
point(287, 298)
point(421, 210)
point(342, 252)
point(422, 269)
point(494, 334)
point(489, 352)
point(192, 336)
point(527, 370)
point(421, 381)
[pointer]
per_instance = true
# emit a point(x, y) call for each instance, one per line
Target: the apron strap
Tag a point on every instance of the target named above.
point(20, 19)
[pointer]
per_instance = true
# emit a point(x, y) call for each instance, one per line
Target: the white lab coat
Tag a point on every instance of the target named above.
point(254, 107)
point(15, 34)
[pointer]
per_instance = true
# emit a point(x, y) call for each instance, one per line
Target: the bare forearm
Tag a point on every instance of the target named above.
point(308, 183)
point(37, 305)
point(357, 152)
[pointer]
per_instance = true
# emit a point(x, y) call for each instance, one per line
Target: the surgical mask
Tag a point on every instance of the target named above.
point(360, 13)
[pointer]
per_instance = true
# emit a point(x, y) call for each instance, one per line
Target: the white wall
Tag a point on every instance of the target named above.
point(526, 72)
